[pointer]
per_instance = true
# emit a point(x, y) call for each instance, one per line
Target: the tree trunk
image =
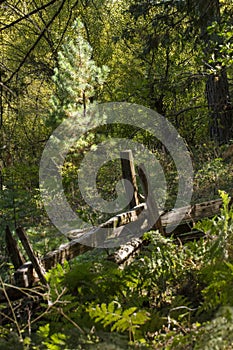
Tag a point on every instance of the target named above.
point(217, 86)
point(221, 112)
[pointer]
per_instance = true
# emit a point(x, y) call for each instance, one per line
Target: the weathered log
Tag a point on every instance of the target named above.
point(153, 211)
point(28, 248)
point(125, 251)
point(25, 275)
point(116, 221)
point(129, 174)
point(64, 253)
point(13, 250)
point(189, 214)
point(179, 222)
point(78, 238)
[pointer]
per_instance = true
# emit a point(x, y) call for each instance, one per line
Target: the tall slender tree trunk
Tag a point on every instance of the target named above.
point(221, 113)
point(217, 86)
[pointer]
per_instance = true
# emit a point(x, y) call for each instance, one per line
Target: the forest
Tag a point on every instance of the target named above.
point(171, 61)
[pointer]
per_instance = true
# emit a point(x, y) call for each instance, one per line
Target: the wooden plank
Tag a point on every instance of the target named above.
point(77, 245)
point(190, 214)
point(153, 211)
point(28, 248)
point(116, 221)
point(184, 217)
point(128, 171)
point(70, 250)
point(13, 250)
point(125, 218)
point(66, 252)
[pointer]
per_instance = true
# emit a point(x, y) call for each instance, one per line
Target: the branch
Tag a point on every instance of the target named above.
point(7, 88)
point(27, 15)
point(66, 26)
point(36, 42)
point(185, 110)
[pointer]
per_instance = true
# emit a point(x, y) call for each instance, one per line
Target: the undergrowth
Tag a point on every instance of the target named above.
point(172, 296)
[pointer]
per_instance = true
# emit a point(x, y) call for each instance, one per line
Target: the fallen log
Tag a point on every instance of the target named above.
point(187, 215)
point(25, 275)
point(116, 221)
point(183, 217)
point(126, 252)
point(64, 253)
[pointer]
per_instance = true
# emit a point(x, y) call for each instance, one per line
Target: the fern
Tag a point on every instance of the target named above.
point(220, 227)
point(219, 280)
point(121, 320)
point(55, 341)
point(218, 333)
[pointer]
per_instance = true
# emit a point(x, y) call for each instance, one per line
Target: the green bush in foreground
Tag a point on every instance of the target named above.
point(170, 297)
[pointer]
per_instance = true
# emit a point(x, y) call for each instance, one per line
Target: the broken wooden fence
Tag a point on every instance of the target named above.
point(179, 222)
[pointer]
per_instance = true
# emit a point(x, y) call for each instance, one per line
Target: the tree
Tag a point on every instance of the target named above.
point(190, 30)
point(217, 85)
point(77, 77)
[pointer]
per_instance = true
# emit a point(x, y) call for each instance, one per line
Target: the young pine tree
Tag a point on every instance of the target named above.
point(77, 77)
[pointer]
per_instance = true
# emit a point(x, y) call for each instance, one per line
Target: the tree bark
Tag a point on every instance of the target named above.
point(13, 250)
point(221, 109)
point(129, 174)
point(217, 85)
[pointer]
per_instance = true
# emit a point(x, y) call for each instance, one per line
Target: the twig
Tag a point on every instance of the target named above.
point(12, 310)
point(27, 15)
point(71, 321)
point(36, 42)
